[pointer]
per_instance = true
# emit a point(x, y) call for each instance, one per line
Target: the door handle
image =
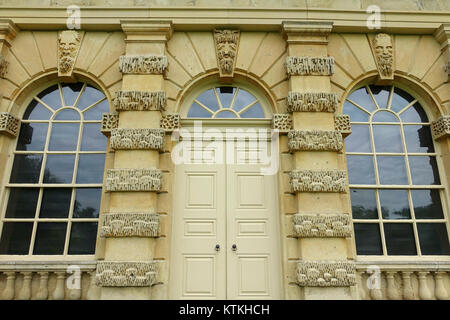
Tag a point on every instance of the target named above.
point(217, 247)
point(234, 247)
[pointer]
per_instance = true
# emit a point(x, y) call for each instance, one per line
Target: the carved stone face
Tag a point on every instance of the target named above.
point(384, 53)
point(226, 51)
point(67, 42)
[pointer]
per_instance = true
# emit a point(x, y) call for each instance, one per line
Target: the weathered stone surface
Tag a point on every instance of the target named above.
point(3, 66)
point(126, 274)
point(135, 139)
point(318, 181)
point(143, 64)
point(441, 127)
point(304, 66)
point(9, 124)
point(227, 43)
point(342, 124)
point(315, 140)
point(171, 121)
point(129, 224)
point(282, 122)
point(384, 55)
point(326, 225)
point(140, 101)
point(312, 102)
point(110, 121)
point(133, 180)
point(69, 42)
point(326, 274)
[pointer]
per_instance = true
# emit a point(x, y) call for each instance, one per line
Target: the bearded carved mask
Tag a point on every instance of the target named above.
point(226, 48)
point(68, 43)
point(384, 54)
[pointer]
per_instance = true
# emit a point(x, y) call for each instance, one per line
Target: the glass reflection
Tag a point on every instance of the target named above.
point(427, 204)
point(415, 113)
point(394, 204)
point(22, 203)
point(32, 136)
point(226, 95)
point(16, 238)
point(71, 92)
point(433, 239)
point(195, 111)
point(392, 170)
point(87, 203)
point(59, 168)
point(399, 239)
point(362, 98)
point(64, 137)
point(51, 97)
point(364, 203)
point(67, 114)
point(400, 99)
point(83, 237)
point(418, 138)
point(97, 111)
point(356, 114)
point(381, 95)
point(55, 203)
point(26, 168)
point(36, 111)
point(368, 239)
point(387, 138)
point(89, 96)
point(208, 98)
point(254, 111)
point(243, 99)
point(424, 170)
point(93, 139)
point(359, 140)
point(50, 238)
point(90, 168)
point(360, 169)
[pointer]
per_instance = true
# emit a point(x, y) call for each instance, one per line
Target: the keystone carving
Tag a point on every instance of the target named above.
point(383, 50)
point(143, 64)
point(312, 102)
point(315, 140)
point(342, 124)
point(441, 127)
point(140, 101)
point(282, 122)
point(330, 225)
point(129, 225)
point(3, 66)
point(135, 139)
point(126, 274)
point(69, 42)
point(309, 66)
point(110, 121)
point(133, 180)
point(318, 181)
point(9, 124)
point(326, 274)
point(227, 43)
point(170, 122)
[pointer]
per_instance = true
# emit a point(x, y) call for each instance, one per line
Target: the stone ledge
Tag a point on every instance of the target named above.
point(9, 124)
point(326, 273)
point(441, 127)
point(137, 139)
point(309, 66)
point(140, 100)
point(143, 64)
point(133, 180)
point(312, 102)
point(130, 224)
point(324, 225)
point(318, 181)
point(126, 274)
point(315, 140)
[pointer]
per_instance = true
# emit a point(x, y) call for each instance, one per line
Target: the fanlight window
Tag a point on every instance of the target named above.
point(54, 190)
point(394, 181)
point(226, 102)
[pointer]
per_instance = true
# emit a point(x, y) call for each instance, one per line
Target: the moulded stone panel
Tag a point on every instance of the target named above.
point(47, 45)
point(126, 274)
point(146, 224)
point(318, 180)
point(315, 140)
point(326, 225)
point(133, 180)
point(134, 139)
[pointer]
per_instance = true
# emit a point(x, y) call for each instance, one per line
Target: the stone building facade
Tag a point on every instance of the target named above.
point(95, 204)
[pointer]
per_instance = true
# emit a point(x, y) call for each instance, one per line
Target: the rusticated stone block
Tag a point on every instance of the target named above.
point(133, 180)
point(126, 274)
point(312, 102)
point(135, 139)
point(110, 121)
point(326, 273)
point(441, 127)
point(318, 181)
point(171, 121)
point(9, 124)
point(329, 225)
point(143, 64)
point(140, 100)
point(342, 124)
point(282, 122)
point(305, 66)
point(315, 140)
point(129, 224)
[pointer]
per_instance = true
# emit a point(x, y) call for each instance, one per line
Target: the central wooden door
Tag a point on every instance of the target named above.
point(225, 238)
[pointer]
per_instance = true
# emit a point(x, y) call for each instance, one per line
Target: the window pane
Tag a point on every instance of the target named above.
point(243, 99)
point(90, 168)
point(50, 238)
point(83, 237)
point(387, 138)
point(22, 203)
point(36, 111)
point(93, 139)
point(16, 238)
point(71, 92)
point(355, 113)
point(359, 140)
point(55, 203)
point(363, 99)
point(424, 170)
point(26, 168)
point(400, 99)
point(226, 114)
point(360, 169)
point(254, 111)
point(226, 95)
point(433, 238)
point(32, 136)
point(196, 111)
point(392, 170)
point(64, 137)
point(427, 204)
point(415, 113)
point(96, 112)
point(394, 204)
point(59, 168)
point(67, 114)
point(400, 239)
point(364, 204)
point(367, 238)
point(381, 95)
point(89, 96)
point(208, 98)
point(51, 97)
point(384, 116)
point(87, 203)
point(418, 138)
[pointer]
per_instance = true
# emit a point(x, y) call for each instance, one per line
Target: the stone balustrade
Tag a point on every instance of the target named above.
point(48, 281)
point(403, 281)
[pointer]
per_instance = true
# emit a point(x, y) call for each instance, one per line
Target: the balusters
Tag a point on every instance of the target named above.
point(42, 293)
point(408, 293)
point(59, 293)
point(391, 291)
point(9, 291)
point(439, 287)
point(93, 291)
point(424, 292)
point(75, 286)
point(362, 292)
point(25, 291)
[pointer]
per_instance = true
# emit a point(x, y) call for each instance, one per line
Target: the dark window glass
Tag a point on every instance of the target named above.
point(424, 170)
point(427, 204)
point(16, 237)
point(392, 170)
point(32, 136)
point(368, 240)
point(360, 169)
point(356, 114)
point(415, 113)
point(67, 114)
point(55, 203)
point(208, 98)
point(87, 203)
point(26, 168)
point(364, 203)
point(83, 238)
point(418, 138)
point(93, 139)
point(59, 168)
point(243, 99)
point(394, 204)
point(64, 137)
point(96, 112)
point(362, 98)
point(51, 97)
point(90, 168)
point(226, 95)
point(36, 111)
point(381, 95)
point(89, 96)
point(400, 239)
point(433, 238)
point(387, 138)
point(22, 202)
point(400, 99)
point(71, 92)
point(50, 238)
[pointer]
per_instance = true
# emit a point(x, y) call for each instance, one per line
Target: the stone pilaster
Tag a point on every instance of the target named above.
point(131, 226)
point(322, 223)
point(442, 34)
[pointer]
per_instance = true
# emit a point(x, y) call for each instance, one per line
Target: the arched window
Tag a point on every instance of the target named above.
point(226, 102)
point(395, 186)
point(54, 190)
